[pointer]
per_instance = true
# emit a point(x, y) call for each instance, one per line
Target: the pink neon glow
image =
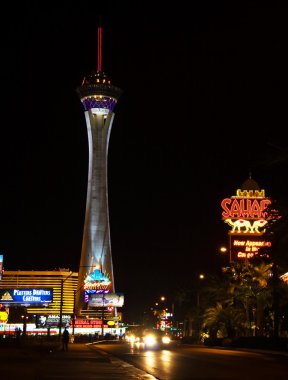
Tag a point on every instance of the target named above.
point(99, 67)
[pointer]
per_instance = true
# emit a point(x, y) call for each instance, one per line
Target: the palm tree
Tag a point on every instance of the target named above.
point(261, 274)
point(182, 307)
point(248, 291)
point(223, 321)
point(223, 315)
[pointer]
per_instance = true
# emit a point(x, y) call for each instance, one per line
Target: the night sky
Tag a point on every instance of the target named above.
point(204, 103)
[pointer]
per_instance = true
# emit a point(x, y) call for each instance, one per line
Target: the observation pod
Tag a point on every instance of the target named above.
point(99, 98)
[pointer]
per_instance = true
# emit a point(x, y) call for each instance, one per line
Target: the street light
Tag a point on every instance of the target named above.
point(201, 277)
point(24, 319)
point(225, 251)
point(74, 311)
point(74, 316)
point(198, 306)
point(165, 310)
point(61, 303)
point(102, 316)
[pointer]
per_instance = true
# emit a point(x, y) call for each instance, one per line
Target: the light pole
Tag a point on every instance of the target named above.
point(24, 319)
point(165, 320)
point(74, 310)
point(73, 321)
point(102, 317)
point(163, 299)
point(61, 303)
point(230, 249)
point(61, 307)
point(201, 277)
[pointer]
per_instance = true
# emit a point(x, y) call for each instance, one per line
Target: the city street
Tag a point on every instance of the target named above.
point(194, 362)
point(116, 360)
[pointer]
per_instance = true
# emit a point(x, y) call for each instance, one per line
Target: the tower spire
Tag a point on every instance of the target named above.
point(99, 61)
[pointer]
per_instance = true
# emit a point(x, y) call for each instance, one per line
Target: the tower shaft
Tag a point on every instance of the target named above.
point(96, 243)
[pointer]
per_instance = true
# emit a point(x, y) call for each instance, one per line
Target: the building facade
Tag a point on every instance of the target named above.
point(31, 297)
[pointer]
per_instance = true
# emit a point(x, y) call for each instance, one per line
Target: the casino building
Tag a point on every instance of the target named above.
point(38, 294)
point(39, 302)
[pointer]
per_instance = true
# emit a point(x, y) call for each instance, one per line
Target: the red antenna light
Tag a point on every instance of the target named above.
point(99, 66)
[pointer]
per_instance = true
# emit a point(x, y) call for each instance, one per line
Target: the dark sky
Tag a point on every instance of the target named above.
point(204, 103)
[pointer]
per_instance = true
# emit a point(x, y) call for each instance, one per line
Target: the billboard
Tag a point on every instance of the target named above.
point(249, 247)
point(247, 214)
point(25, 296)
point(52, 320)
point(104, 300)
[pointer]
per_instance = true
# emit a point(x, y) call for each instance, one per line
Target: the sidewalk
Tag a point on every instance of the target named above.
point(259, 350)
point(82, 361)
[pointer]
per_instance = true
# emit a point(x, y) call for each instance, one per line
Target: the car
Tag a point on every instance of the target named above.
point(150, 339)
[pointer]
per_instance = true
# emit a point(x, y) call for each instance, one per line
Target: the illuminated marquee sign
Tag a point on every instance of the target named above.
point(52, 320)
point(26, 296)
point(242, 248)
point(247, 215)
point(88, 292)
point(97, 280)
point(110, 299)
point(87, 323)
point(245, 208)
point(246, 212)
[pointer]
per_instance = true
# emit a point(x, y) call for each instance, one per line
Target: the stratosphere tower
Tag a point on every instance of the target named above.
point(98, 97)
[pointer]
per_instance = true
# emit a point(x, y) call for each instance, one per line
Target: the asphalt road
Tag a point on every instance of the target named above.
point(193, 362)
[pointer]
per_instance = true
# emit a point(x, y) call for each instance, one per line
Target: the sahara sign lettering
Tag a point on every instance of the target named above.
point(245, 208)
point(247, 212)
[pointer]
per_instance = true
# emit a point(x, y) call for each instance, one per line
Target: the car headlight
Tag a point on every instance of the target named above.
point(133, 339)
point(166, 340)
point(150, 340)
